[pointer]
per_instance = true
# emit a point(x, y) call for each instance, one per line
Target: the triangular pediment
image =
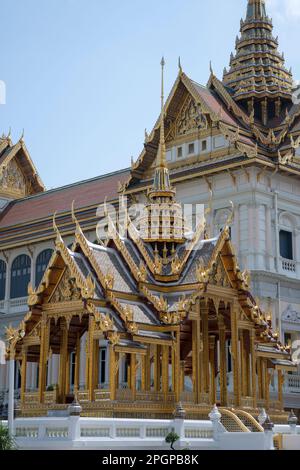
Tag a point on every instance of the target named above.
point(66, 289)
point(18, 175)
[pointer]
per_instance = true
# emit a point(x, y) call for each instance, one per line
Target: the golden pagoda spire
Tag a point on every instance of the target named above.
point(162, 143)
point(256, 9)
point(161, 183)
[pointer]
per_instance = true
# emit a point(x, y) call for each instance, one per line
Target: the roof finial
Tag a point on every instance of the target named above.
point(210, 68)
point(56, 230)
point(22, 136)
point(179, 65)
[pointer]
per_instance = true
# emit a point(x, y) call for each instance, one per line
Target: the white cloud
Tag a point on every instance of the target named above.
point(284, 9)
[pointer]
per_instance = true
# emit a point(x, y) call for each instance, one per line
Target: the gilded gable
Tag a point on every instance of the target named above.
point(66, 289)
point(12, 180)
point(190, 119)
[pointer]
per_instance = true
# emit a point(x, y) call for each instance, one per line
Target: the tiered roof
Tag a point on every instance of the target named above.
point(257, 69)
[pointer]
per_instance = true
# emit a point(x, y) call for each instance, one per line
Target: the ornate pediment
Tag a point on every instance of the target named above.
point(218, 276)
point(12, 179)
point(66, 290)
point(290, 315)
point(189, 120)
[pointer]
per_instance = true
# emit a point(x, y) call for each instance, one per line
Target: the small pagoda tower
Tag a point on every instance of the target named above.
point(162, 223)
point(257, 77)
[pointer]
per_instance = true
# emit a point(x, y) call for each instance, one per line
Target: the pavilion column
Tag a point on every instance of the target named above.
point(204, 310)
point(44, 350)
point(157, 368)
point(196, 367)
point(165, 371)
point(63, 360)
point(182, 376)
point(212, 349)
point(113, 371)
point(133, 368)
point(68, 373)
point(223, 368)
point(148, 370)
point(86, 369)
point(281, 380)
point(242, 363)
point(253, 367)
point(177, 366)
point(267, 384)
point(96, 364)
point(91, 341)
point(260, 378)
point(146, 378)
point(234, 353)
point(77, 364)
point(23, 373)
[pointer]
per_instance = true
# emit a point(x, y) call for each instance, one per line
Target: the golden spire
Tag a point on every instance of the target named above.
point(161, 183)
point(162, 143)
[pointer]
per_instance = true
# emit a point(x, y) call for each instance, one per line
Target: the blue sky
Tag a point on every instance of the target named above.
point(82, 76)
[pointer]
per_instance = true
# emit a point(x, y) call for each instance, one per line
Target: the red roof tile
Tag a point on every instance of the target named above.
point(85, 193)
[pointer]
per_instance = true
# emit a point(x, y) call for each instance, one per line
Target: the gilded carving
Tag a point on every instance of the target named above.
point(66, 290)
point(12, 178)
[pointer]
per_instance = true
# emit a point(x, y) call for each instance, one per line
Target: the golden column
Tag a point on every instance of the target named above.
point(133, 368)
point(245, 355)
point(267, 383)
point(182, 375)
point(68, 374)
point(260, 378)
point(96, 363)
point(23, 373)
point(223, 366)
point(196, 366)
point(281, 380)
point(91, 383)
point(177, 366)
point(212, 349)
point(157, 368)
point(165, 371)
point(143, 373)
point(77, 364)
point(44, 350)
point(204, 310)
point(148, 369)
point(113, 371)
point(63, 359)
point(87, 353)
point(234, 352)
point(253, 367)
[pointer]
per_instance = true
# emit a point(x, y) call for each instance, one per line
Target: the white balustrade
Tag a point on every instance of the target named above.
point(37, 433)
point(289, 265)
point(292, 383)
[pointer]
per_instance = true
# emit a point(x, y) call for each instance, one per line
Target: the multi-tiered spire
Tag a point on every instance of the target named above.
point(162, 223)
point(257, 76)
point(161, 183)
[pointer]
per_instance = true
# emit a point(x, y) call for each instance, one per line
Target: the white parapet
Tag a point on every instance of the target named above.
point(106, 434)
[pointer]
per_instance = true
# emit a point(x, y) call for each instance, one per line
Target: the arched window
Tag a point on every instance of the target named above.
point(20, 277)
point(2, 279)
point(41, 265)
